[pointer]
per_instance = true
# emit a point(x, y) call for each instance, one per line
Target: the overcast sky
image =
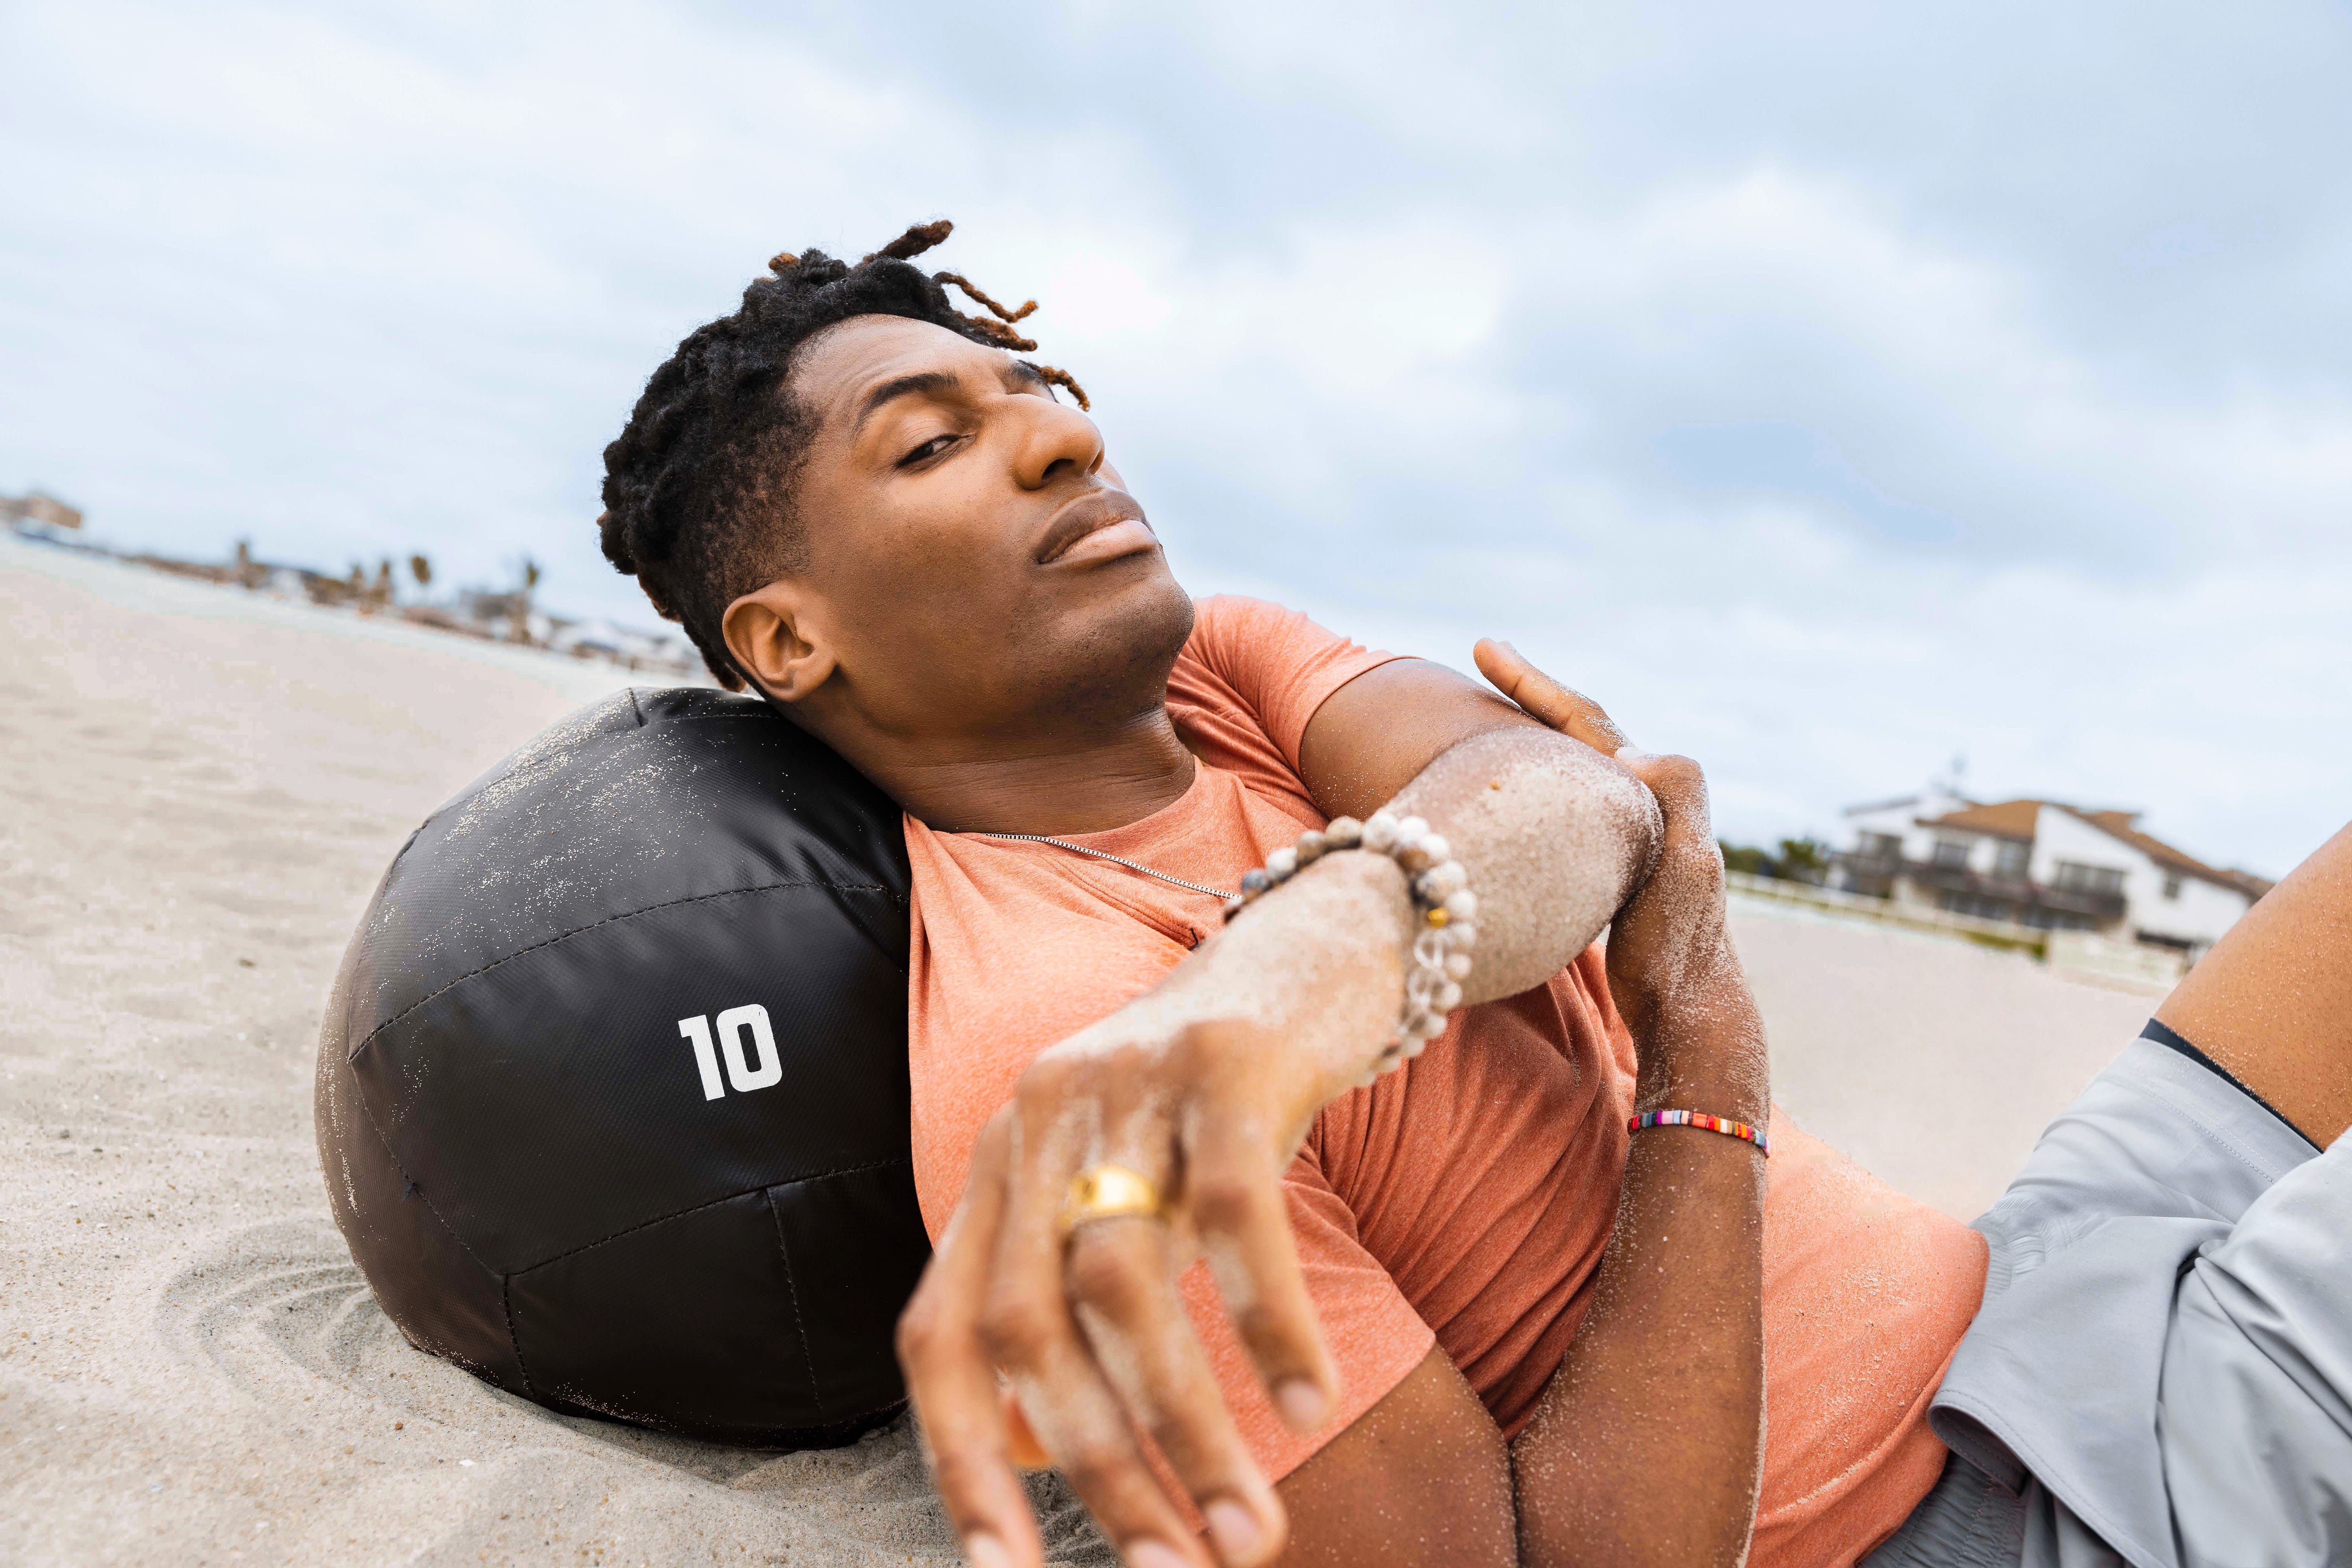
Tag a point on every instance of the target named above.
point(1831, 390)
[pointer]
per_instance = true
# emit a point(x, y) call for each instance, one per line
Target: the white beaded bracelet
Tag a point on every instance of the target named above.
point(1441, 897)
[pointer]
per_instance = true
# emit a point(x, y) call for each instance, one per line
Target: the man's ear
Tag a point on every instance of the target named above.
point(773, 637)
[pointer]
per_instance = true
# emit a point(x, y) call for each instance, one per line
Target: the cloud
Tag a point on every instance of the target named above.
point(1830, 389)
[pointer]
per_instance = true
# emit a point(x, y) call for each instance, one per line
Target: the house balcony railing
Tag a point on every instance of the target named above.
point(1959, 888)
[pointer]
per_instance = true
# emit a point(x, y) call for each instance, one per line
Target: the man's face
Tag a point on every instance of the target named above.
point(975, 565)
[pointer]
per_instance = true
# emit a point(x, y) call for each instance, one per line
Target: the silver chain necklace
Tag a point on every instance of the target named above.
point(1114, 860)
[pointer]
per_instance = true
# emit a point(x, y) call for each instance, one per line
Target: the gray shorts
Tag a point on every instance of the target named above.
point(2161, 1372)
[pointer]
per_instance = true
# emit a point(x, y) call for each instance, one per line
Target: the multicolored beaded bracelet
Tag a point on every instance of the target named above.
point(1444, 907)
point(1723, 1124)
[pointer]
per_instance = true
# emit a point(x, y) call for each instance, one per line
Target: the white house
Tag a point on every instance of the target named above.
point(2043, 865)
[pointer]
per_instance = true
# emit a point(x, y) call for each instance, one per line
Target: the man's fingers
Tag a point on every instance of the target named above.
point(1234, 1197)
point(1572, 712)
point(1680, 786)
point(1233, 1194)
point(953, 1384)
point(1029, 1329)
point(1080, 1422)
point(1122, 1277)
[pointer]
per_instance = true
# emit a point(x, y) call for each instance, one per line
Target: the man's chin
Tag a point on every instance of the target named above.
point(1115, 653)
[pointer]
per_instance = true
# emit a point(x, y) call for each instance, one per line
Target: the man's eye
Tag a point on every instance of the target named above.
point(929, 449)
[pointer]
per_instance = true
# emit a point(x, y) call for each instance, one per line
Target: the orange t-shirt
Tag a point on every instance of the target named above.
point(1463, 1200)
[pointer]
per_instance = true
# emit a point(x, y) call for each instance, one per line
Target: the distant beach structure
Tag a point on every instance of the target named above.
point(40, 514)
point(498, 615)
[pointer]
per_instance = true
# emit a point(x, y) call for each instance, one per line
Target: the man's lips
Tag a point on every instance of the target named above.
point(1110, 512)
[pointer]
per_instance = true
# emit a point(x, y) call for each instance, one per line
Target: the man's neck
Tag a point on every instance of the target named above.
point(1084, 781)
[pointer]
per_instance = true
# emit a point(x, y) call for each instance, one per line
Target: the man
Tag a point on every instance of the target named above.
point(1448, 1338)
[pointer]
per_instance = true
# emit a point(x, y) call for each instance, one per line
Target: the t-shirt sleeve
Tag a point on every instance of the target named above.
point(1252, 675)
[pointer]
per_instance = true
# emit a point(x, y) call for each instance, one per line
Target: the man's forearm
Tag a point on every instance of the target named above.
point(1646, 1446)
point(1554, 837)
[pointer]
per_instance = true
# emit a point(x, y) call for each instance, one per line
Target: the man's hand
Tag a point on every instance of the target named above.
point(1085, 1324)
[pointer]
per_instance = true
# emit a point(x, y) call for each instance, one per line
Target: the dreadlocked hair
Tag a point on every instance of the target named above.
point(699, 487)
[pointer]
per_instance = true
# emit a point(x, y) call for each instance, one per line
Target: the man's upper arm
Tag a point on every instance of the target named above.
point(1373, 736)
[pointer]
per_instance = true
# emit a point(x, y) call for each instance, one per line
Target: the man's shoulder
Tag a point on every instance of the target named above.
point(1216, 616)
point(1264, 666)
point(1240, 637)
point(1237, 645)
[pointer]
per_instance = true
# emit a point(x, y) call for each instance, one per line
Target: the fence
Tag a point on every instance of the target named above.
point(2077, 955)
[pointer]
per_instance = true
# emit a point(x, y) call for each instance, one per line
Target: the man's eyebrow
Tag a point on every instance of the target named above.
point(1027, 377)
point(920, 384)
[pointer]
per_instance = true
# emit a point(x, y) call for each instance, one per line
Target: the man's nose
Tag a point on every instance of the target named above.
point(1055, 441)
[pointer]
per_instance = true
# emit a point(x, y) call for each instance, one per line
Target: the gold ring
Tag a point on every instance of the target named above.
point(1110, 1192)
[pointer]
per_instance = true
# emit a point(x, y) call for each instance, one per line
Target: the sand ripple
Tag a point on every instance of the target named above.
point(279, 1314)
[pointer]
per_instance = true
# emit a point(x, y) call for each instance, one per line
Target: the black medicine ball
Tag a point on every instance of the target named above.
point(612, 1095)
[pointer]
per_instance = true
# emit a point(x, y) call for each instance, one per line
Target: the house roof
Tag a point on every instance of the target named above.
point(2015, 819)
point(2247, 882)
point(2119, 825)
point(2008, 820)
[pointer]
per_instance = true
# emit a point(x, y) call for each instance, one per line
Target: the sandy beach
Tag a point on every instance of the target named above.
point(202, 788)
